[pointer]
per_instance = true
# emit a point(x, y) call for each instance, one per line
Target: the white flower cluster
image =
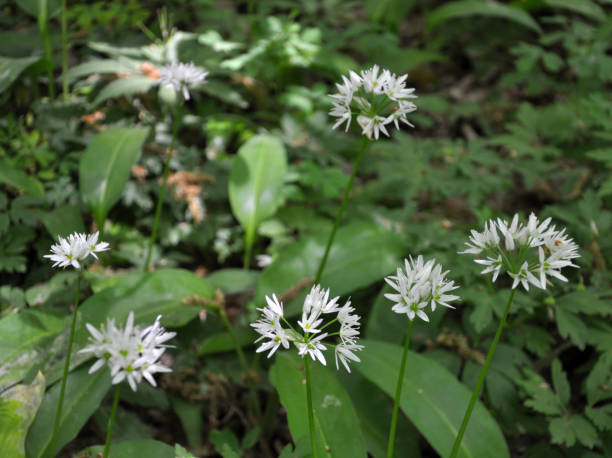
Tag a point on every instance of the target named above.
point(528, 253)
point(180, 76)
point(74, 249)
point(130, 353)
point(376, 99)
point(310, 341)
point(422, 284)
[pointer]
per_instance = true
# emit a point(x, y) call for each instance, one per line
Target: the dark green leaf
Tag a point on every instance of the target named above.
point(129, 85)
point(560, 382)
point(12, 67)
point(19, 180)
point(133, 449)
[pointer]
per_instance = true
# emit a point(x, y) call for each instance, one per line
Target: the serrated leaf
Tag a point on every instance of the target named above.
point(570, 325)
point(600, 416)
point(567, 430)
point(129, 85)
point(541, 397)
point(105, 167)
point(469, 8)
point(599, 381)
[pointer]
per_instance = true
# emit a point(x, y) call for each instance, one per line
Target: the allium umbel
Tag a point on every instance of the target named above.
point(131, 353)
point(526, 252)
point(74, 249)
point(310, 339)
point(421, 284)
point(180, 77)
point(375, 99)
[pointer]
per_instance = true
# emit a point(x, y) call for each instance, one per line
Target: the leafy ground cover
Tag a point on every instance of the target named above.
point(513, 116)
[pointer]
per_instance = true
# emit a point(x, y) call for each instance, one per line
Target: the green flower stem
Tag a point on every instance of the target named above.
point(60, 402)
point(398, 393)
point(111, 422)
point(162, 191)
point(347, 191)
point(249, 239)
point(481, 379)
point(313, 441)
point(43, 26)
point(64, 23)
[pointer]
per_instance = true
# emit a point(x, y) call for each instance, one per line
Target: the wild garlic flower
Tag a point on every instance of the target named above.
point(420, 285)
point(309, 340)
point(130, 353)
point(74, 249)
point(180, 77)
point(375, 99)
point(526, 252)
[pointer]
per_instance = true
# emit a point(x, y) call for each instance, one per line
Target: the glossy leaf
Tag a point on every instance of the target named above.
point(25, 336)
point(133, 449)
point(12, 67)
point(469, 8)
point(147, 295)
point(434, 401)
point(18, 406)
point(129, 85)
point(337, 427)
point(255, 182)
point(361, 254)
point(105, 167)
point(84, 393)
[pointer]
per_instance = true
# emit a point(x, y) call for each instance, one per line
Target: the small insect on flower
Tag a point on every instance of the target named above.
point(74, 249)
point(130, 353)
point(377, 99)
point(310, 341)
point(420, 284)
point(528, 254)
point(181, 77)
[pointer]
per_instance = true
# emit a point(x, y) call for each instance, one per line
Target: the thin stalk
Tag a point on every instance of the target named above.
point(249, 239)
point(347, 191)
point(64, 24)
point(481, 378)
point(398, 393)
point(111, 422)
point(60, 402)
point(162, 191)
point(313, 441)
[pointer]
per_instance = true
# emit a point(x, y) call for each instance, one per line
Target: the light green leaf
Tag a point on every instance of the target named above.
point(84, 393)
point(562, 387)
point(105, 167)
point(585, 7)
point(336, 424)
point(25, 336)
point(129, 85)
point(255, 182)
point(225, 443)
point(147, 295)
point(100, 66)
point(133, 449)
point(18, 406)
point(62, 221)
point(469, 8)
point(361, 254)
point(433, 399)
point(181, 452)
point(18, 179)
point(12, 67)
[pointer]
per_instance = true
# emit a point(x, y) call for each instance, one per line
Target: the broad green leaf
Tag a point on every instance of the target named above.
point(190, 414)
point(225, 443)
point(181, 452)
point(147, 295)
point(18, 179)
point(586, 7)
point(433, 399)
point(133, 449)
point(12, 67)
point(255, 182)
point(105, 167)
point(32, 7)
point(336, 424)
point(222, 342)
point(62, 221)
point(100, 66)
point(129, 85)
point(469, 8)
point(18, 406)
point(231, 281)
point(25, 336)
point(84, 393)
point(361, 254)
